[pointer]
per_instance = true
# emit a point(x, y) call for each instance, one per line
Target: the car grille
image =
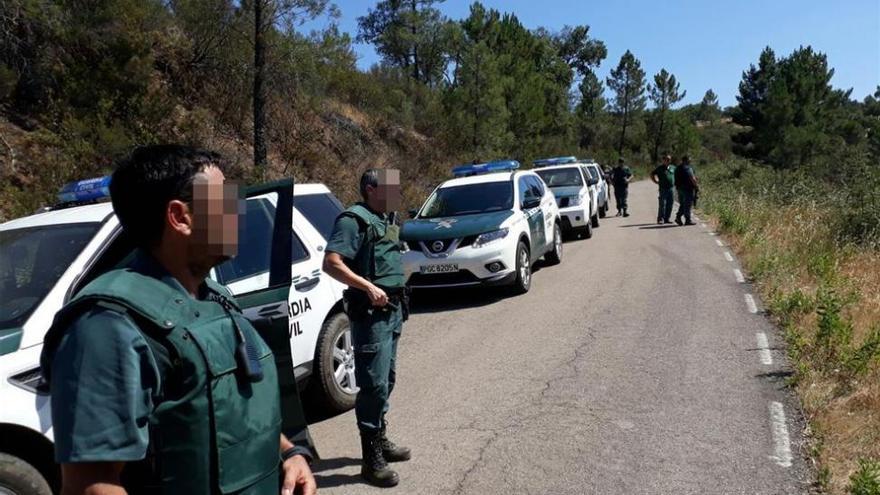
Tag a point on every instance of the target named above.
point(415, 245)
point(563, 201)
point(459, 277)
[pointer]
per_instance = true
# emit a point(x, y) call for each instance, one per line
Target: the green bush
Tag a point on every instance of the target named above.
point(866, 480)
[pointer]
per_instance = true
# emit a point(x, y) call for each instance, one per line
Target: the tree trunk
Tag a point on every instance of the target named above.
point(658, 139)
point(415, 51)
point(260, 148)
point(625, 118)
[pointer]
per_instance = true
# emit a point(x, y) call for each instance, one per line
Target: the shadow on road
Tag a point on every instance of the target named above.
point(659, 226)
point(438, 300)
point(336, 480)
point(632, 225)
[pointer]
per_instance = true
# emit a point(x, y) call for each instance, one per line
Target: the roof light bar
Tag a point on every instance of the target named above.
point(485, 168)
point(85, 190)
point(559, 160)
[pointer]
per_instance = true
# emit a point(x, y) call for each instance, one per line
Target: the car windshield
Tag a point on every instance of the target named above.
point(469, 199)
point(561, 177)
point(31, 262)
point(320, 209)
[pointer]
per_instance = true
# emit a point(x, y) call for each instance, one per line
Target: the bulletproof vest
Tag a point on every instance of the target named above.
point(378, 259)
point(219, 431)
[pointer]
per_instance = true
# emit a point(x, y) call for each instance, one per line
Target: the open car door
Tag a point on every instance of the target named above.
point(267, 305)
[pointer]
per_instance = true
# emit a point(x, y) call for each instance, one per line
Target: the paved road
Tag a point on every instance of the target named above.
point(634, 367)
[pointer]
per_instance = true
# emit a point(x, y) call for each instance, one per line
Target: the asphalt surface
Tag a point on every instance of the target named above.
point(631, 368)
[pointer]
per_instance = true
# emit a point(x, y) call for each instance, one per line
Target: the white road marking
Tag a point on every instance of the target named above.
point(713, 233)
point(781, 443)
point(739, 276)
point(750, 302)
point(718, 241)
point(703, 225)
point(764, 349)
point(727, 256)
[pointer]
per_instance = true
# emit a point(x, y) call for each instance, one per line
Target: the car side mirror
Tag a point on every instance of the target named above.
point(530, 203)
point(593, 182)
point(412, 212)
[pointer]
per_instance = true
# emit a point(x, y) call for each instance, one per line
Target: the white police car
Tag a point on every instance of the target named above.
point(485, 227)
point(603, 189)
point(575, 192)
point(45, 258)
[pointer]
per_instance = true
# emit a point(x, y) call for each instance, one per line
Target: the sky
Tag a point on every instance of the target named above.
point(704, 43)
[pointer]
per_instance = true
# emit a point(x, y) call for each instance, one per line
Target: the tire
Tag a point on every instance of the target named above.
point(594, 220)
point(334, 351)
point(587, 230)
point(20, 478)
point(603, 210)
point(554, 256)
point(523, 281)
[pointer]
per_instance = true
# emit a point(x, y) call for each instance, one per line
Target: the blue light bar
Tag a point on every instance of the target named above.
point(485, 168)
point(85, 190)
point(559, 160)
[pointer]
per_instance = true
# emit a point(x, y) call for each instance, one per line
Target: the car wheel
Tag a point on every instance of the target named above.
point(523, 281)
point(554, 256)
point(587, 230)
point(594, 220)
point(335, 364)
point(603, 210)
point(17, 477)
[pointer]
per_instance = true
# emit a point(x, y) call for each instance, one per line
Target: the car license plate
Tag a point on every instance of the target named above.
point(426, 269)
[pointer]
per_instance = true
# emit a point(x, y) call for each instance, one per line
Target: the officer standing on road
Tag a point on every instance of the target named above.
point(686, 183)
point(664, 176)
point(364, 254)
point(620, 177)
point(151, 392)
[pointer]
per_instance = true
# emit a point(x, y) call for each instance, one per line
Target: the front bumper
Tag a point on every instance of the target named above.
point(472, 266)
point(574, 217)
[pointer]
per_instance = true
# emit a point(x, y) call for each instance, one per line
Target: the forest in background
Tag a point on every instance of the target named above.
point(791, 172)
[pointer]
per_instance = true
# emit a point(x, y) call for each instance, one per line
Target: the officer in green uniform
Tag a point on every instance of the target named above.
point(664, 176)
point(158, 383)
point(364, 253)
point(620, 177)
point(686, 183)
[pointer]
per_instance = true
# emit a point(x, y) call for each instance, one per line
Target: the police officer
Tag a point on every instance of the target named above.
point(686, 183)
point(364, 254)
point(664, 177)
point(151, 392)
point(620, 177)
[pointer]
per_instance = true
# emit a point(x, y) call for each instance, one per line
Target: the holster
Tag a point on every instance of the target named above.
point(356, 304)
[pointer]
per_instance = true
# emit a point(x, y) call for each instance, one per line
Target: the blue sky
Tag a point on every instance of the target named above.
point(706, 44)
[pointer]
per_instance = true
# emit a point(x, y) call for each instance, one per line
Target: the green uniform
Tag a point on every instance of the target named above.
point(619, 177)
point(686, 191)
point(138, 369)
point(368, 243)
point(666, 177)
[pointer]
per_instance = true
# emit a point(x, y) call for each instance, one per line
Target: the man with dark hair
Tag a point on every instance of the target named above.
point(158, 382)
point(364, 253)
point(686, 183)
point(620, 177)
point(664, 176)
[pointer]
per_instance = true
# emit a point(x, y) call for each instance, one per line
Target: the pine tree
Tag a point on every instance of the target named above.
point(628, 83)
point(590, 111)
point(665, 94)
point(709, 110)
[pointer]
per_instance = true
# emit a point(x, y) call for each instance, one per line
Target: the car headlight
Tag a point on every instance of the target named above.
point(488, 237)
point(575, 201)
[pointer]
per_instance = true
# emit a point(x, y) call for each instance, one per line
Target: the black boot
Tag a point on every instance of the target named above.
point(625, 213)
point(392, 452)
point(374, 468)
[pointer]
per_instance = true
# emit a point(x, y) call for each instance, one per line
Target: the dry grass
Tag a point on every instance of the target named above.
point(792, 255)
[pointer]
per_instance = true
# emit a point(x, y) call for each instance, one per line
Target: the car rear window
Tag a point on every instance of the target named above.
point(321, 211)
point(561, 177)
point(31, 262)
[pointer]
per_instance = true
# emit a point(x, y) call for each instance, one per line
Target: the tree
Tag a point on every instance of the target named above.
point(665, 94)
point(590, 111)
point(411, 34)
point(709, 110)
point(627, 81)
point(267, 15)
point(792, 112)
point(578, 50)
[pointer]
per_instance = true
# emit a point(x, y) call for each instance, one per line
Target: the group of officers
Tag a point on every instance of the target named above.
point(158, 382)
point(670, 178)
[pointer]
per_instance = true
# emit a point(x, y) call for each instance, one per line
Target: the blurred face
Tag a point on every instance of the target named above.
point(665, 160)
point(386, 196)
point(217, 205)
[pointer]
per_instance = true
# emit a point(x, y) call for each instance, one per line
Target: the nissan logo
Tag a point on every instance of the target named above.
point(437, 246)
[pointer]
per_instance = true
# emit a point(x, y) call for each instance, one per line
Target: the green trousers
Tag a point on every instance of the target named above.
point(375, 337)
